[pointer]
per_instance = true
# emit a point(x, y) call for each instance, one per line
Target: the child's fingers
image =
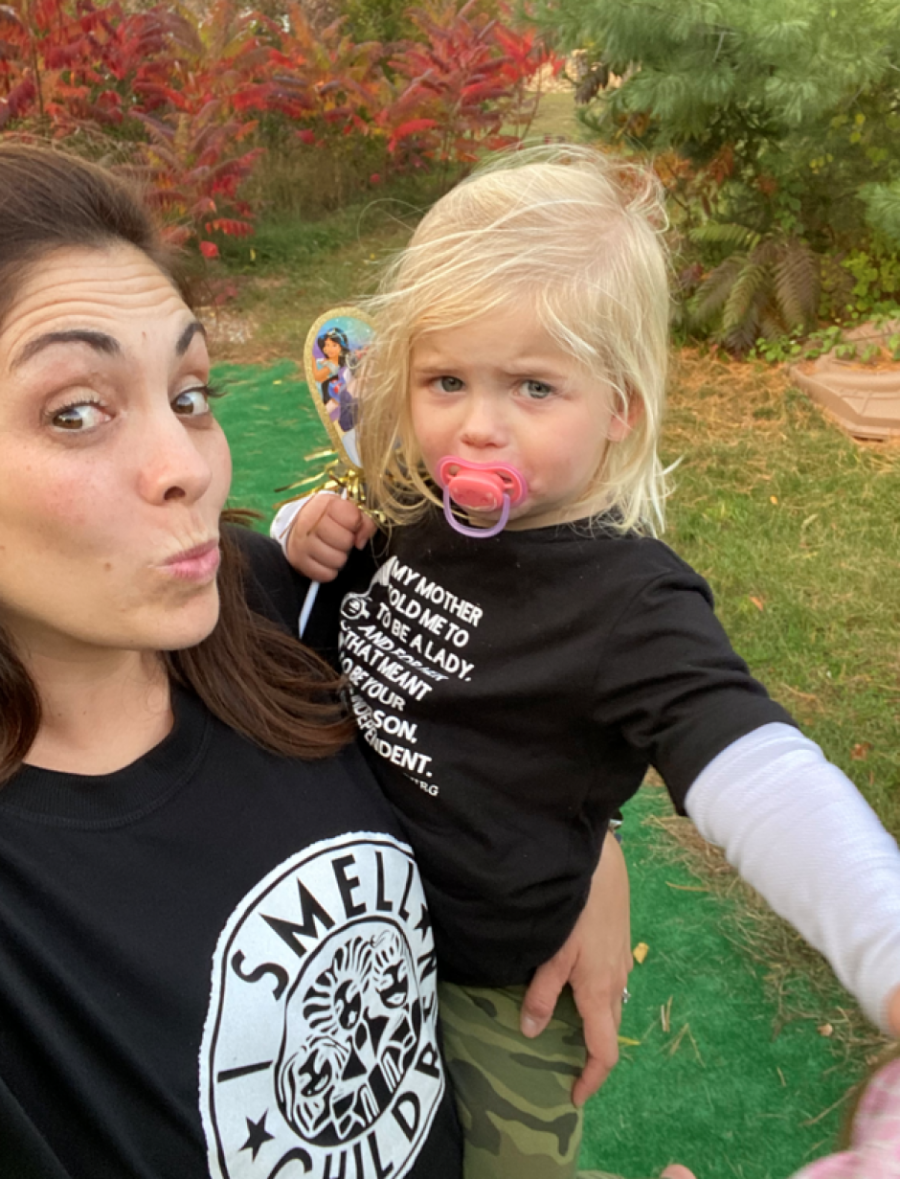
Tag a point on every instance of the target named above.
point(322, 536)
point(336, 532)
point(321, 562)
point(326, 511)
point(365, 532)
point(343, 512)
point(316, 571)
point(302, 529)
point(344, 525)
point(328, 548)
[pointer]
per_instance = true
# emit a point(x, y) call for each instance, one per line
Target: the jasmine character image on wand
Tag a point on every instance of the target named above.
point(334, 347)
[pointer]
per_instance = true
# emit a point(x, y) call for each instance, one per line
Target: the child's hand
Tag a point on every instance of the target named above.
point(323, 533)
point(595, 961)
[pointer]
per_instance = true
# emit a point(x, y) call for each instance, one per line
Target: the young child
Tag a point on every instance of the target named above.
point(526, 648)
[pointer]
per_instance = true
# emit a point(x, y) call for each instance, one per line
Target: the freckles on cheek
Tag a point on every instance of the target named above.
point(70, 511)
point(220, 462)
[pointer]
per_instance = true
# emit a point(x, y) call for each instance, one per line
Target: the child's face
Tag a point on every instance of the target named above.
point(502, 390)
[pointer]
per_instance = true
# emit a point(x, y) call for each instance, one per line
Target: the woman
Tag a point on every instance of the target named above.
point(216, 958)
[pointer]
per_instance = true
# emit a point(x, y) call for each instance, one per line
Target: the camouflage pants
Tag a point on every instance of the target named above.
point(513, 1094)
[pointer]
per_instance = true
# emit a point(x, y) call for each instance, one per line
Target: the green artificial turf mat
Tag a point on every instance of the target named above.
point(271, 424)
point(718, 1091)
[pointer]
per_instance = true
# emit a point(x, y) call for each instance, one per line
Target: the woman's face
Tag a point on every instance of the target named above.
point(113, 472)
point(331, 348)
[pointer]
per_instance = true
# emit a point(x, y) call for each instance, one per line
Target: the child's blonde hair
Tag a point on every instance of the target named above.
point(576, 237)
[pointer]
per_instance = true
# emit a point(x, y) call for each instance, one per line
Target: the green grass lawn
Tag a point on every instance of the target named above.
point(555, 118)
point(797, 527)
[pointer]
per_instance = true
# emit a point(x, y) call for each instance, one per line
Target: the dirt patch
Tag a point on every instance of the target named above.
point(234, 337)
point(731, 396)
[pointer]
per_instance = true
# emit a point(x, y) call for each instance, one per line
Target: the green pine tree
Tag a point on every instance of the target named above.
point(782, 118)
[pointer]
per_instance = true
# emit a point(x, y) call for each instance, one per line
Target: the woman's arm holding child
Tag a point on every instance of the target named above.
point(594, 960)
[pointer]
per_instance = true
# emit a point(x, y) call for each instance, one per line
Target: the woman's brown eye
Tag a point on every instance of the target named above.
point(193, 402)
point(83, 416)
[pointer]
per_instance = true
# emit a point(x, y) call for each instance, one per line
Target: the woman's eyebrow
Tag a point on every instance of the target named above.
point(184, 340)
point(99, 341)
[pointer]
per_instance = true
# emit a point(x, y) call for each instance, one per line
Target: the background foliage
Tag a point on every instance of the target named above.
point(198, 100)
point(775, 127)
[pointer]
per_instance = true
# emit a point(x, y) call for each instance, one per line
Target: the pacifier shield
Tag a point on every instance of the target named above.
point(481, 490)
point(481, 487)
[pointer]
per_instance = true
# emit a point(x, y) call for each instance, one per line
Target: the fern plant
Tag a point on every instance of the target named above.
point(767, 286)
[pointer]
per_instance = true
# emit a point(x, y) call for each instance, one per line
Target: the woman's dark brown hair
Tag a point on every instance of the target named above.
point(251, 675)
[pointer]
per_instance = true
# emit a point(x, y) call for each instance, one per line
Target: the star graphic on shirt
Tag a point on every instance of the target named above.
point(257, 1135)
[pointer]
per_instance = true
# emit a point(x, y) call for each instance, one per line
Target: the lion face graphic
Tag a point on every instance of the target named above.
point(350, 1034)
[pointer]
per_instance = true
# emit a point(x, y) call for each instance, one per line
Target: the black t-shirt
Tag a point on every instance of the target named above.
point(215, 962)
point(512, 693)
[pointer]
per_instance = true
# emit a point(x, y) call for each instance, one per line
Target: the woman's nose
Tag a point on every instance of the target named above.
point(172, 467)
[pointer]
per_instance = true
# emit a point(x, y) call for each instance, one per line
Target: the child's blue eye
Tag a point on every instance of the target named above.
point(449, 384)
point(536, 390)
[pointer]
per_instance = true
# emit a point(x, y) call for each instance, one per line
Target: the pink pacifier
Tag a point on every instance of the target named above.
point(481, 487)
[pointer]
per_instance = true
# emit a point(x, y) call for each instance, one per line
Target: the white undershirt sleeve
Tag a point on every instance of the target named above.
point(281, 526)
point(798, 830)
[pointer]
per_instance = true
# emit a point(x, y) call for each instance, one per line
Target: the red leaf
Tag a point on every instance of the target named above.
point(204, 205)
point(230, 226)
point(412, 126)
point(484, 92)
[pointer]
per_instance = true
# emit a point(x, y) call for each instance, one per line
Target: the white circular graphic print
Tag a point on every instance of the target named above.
point(320, 1052)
